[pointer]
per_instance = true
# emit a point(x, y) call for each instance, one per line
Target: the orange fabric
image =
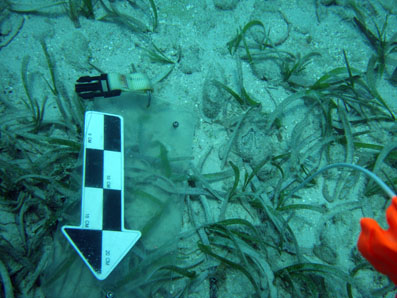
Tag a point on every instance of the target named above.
point(379, 246)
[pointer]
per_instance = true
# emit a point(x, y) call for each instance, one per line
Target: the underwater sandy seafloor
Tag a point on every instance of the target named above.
point(265, 93)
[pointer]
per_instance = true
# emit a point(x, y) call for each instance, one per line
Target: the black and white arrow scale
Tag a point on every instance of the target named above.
point(101, 239)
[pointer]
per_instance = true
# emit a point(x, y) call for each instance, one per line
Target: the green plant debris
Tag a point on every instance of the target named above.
point(379, 41)
point(207, 250)
point(21, 8)
point(155, 15)
point(293, 65)
point(244, 99)
point(113, 14)
point(234, 44)
point(37, 110)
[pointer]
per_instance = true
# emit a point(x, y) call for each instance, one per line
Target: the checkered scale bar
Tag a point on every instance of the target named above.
point(103, 173)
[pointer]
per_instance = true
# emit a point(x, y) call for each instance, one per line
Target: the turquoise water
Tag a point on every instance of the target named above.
point(244, 100)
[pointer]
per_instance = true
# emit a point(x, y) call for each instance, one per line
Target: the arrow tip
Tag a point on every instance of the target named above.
point(101, 250)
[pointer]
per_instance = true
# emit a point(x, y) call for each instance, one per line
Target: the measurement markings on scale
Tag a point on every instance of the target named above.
point(101, 239)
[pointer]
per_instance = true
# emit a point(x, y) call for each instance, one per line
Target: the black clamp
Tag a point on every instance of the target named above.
point(89, 87)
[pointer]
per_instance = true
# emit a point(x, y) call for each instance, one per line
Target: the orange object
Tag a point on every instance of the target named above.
point(379, 246)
